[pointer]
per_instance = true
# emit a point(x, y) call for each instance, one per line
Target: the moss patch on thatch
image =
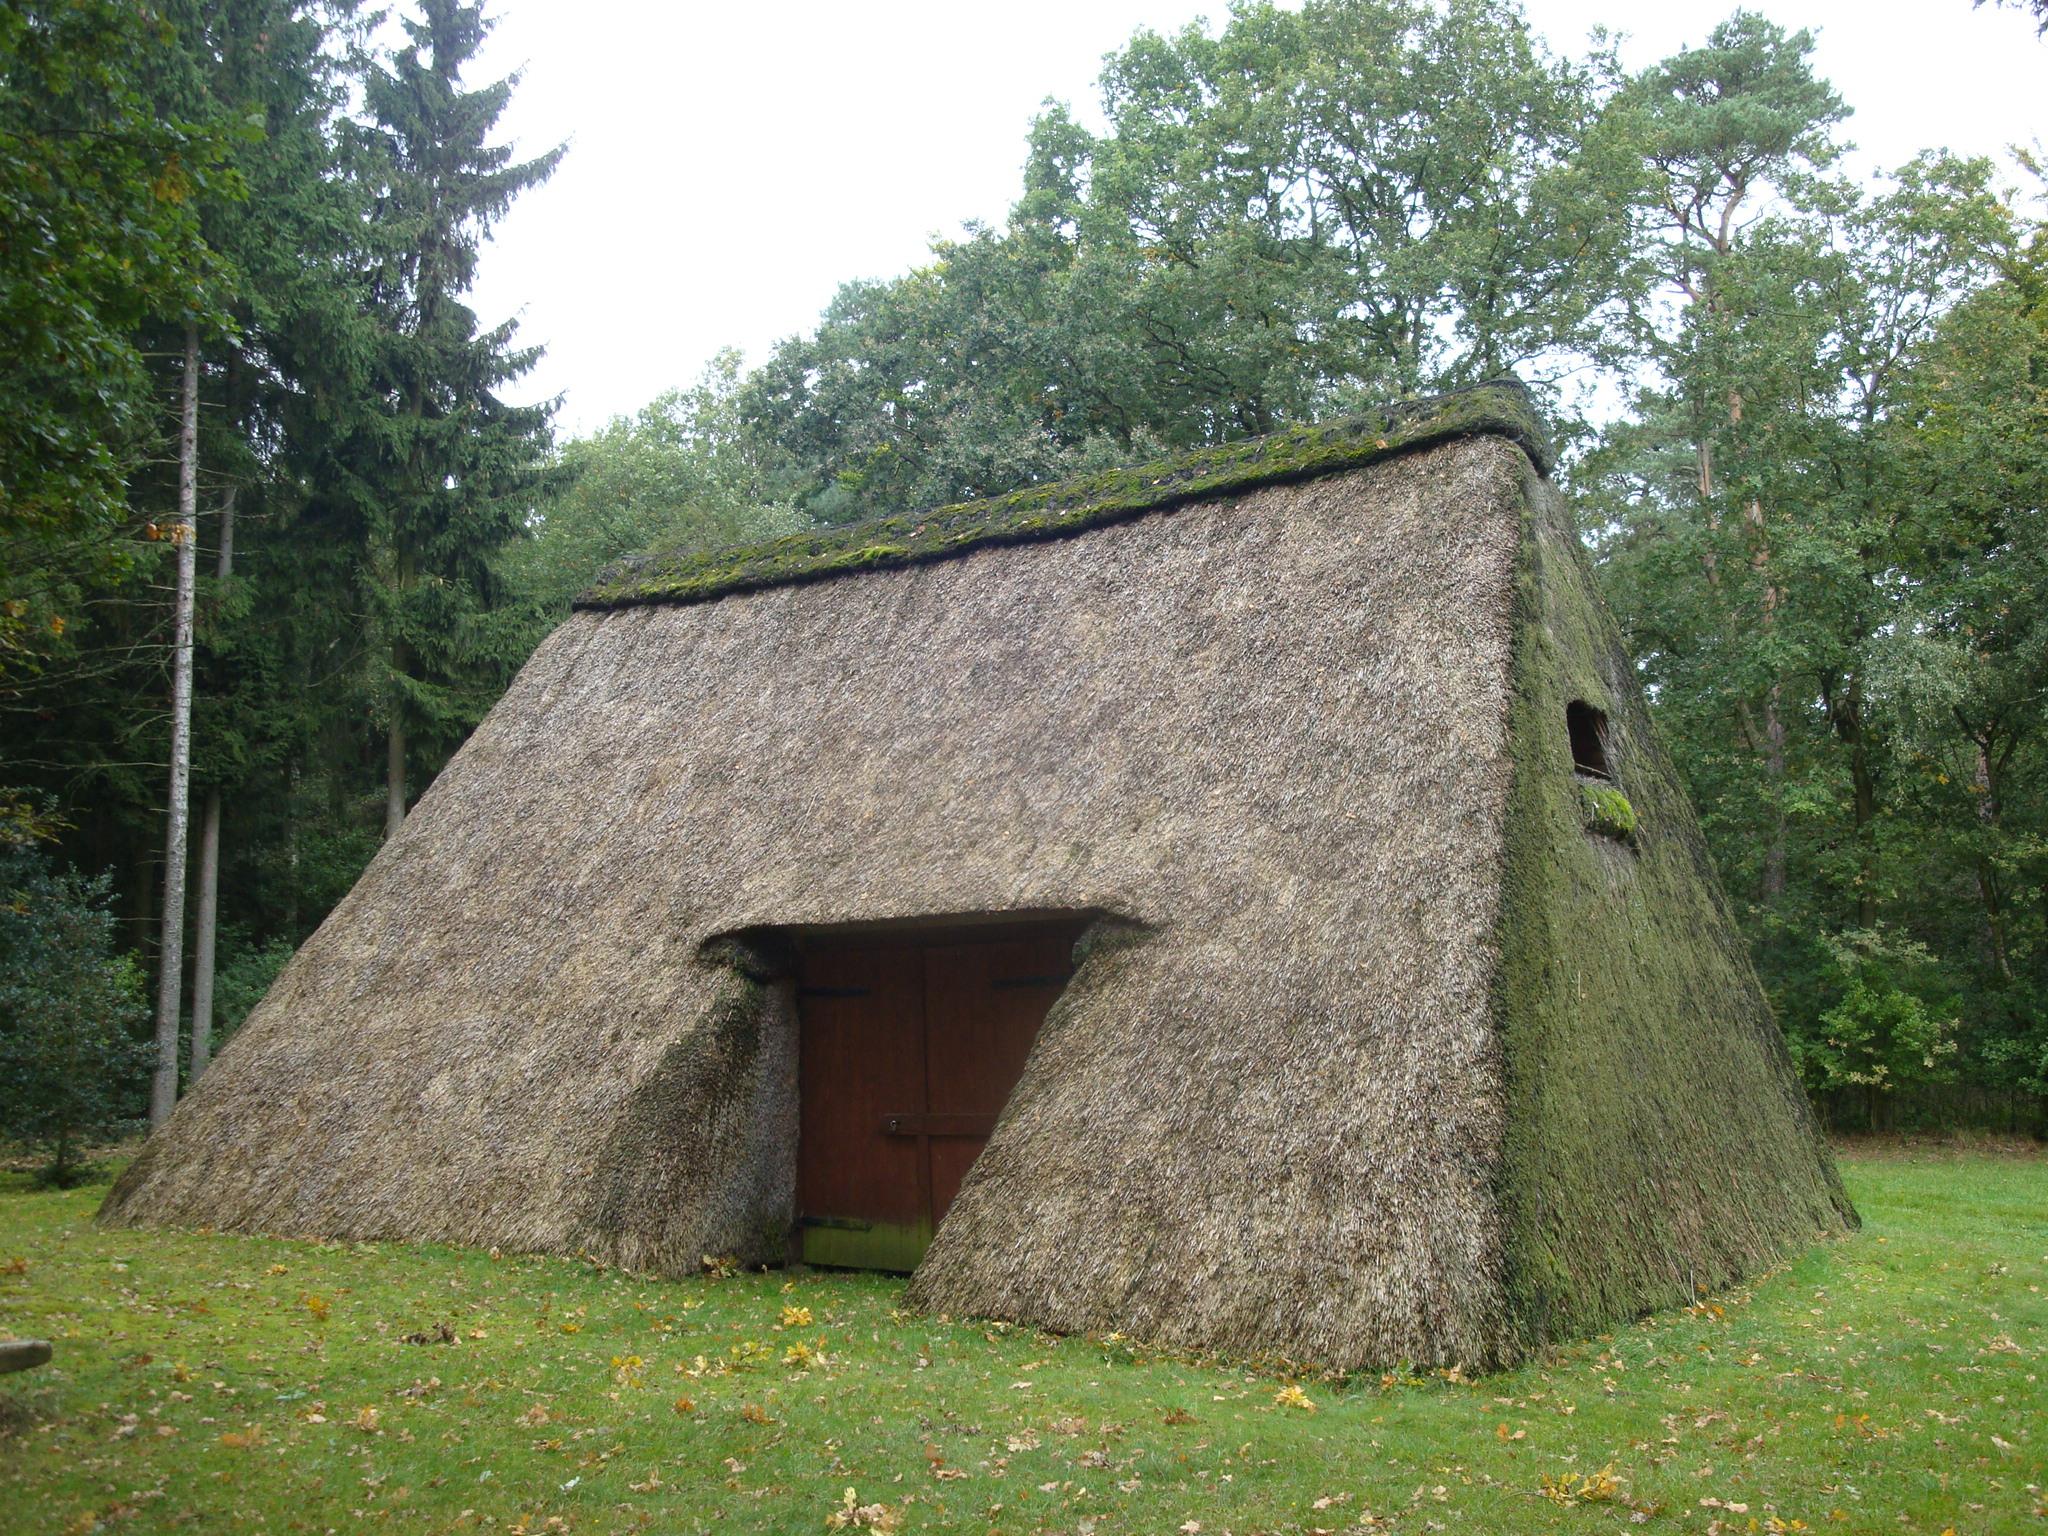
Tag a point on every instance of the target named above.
point(1501, 408)
point(1657, 1142)
point(1608, 811)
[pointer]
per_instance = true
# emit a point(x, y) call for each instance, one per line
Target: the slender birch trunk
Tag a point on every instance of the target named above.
point(206, 920)
point(163, 1093)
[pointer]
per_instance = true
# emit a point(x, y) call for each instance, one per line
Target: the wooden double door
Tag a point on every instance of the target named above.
point(911, 1044)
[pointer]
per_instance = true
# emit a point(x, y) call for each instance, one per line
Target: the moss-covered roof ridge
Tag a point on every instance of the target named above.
point(1499, 407)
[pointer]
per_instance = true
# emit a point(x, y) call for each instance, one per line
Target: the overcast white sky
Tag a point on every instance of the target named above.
point(730, 165)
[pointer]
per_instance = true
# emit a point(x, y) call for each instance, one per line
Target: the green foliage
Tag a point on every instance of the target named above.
point(1716, 130)
point(1300, 217)
point(101, 198)
point(70, 1065)
point(1821, 531)
point(677, 476)
point(348, 408)
point(1880, 1036)
point(247, 969)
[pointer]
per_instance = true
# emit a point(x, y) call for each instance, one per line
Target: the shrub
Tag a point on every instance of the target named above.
point(71, 1066)
point(1882, 1033)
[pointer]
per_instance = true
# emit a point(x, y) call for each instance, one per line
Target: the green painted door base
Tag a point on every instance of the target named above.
point(866, 1245)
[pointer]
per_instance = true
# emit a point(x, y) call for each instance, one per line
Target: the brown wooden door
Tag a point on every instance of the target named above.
point(911, 1045)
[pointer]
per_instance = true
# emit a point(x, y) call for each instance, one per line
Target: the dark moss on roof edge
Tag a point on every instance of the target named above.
point(1500, 408)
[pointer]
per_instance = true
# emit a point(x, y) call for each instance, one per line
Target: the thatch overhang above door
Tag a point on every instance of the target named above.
point(1499, 408)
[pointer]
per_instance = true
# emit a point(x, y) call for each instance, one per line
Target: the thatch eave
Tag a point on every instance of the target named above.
point(1498, 408)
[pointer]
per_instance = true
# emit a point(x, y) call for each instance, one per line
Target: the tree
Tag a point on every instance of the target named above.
point(677, 475)
point(1307, 211)
point(163, 1094)
point(70, 1068)
point(100, 201)
point(1881, 1035)
point(1723, 134)
point(440, 469)
point(1790, 609)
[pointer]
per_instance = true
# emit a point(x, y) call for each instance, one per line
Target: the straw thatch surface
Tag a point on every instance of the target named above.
point(1500, 408)
point(1267, 736)
point(1658, 1139)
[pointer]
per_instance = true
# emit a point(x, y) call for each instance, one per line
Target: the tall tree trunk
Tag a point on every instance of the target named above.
point(205, 921)
point(203, 930)
point(163, 1093)
point(394, 746)
point(224, 567)
point(394, 778)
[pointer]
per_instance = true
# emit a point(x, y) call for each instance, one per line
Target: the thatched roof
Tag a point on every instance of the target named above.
point(1501, 408)
point(1377, 1050)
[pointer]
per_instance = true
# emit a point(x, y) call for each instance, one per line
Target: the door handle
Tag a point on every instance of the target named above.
point(938, 1125)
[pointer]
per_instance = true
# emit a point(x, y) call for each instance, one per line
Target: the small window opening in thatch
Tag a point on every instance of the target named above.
point(1588, 729)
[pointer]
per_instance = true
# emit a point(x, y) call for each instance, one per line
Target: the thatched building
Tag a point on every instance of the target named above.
point(1243, 896)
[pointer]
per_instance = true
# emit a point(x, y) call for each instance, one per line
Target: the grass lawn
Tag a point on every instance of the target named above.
point(1886, 1382)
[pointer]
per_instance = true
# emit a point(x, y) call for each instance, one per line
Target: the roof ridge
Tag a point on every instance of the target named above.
point(1496, 408)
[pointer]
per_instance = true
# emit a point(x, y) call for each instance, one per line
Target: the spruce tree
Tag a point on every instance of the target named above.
point(442, 468)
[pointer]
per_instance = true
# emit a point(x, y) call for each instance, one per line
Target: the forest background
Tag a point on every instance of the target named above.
point(1805, 417)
